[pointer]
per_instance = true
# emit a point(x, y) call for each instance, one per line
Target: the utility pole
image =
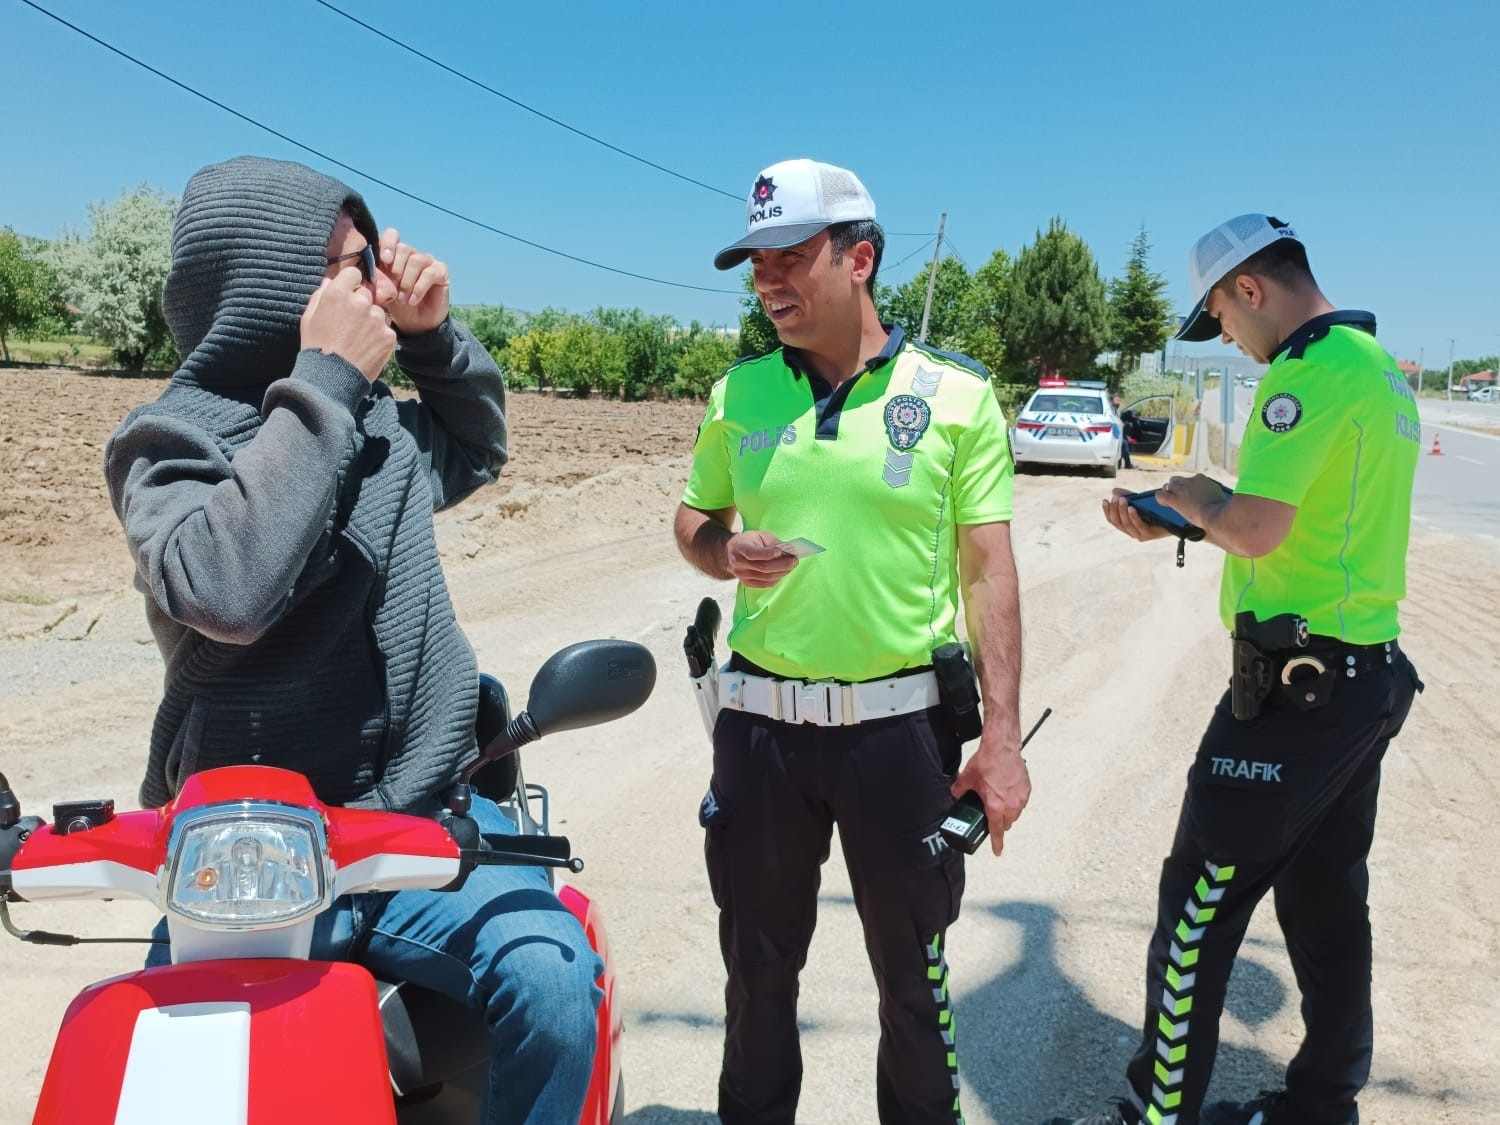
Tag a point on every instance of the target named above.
point(932, 278)
point(1450, 370)
point(1419, 369)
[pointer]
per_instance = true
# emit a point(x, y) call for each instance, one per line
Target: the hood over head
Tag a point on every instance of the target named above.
point(248, 248)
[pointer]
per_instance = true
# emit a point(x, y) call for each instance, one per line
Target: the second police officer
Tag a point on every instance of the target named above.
point(892, 458)
point(1281, 795)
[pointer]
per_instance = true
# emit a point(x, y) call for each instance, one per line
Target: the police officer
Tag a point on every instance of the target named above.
point(871, 477)
point(1281, 796)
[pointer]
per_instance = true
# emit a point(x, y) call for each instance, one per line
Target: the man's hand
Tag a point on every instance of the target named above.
point(1193, 496)
point(1122, 517)
point(342, 319)
point(420, 301)
point(756, 559)
point(997, 772)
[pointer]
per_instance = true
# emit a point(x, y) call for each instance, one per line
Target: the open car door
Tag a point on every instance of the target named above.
point(1148, 423)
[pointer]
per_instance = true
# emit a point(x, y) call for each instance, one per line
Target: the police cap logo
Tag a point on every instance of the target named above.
point(764, 190)
point(906, 419)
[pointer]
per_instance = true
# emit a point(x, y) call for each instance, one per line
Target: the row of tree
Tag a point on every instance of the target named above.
point(1046, 312)
point(106, 285)
point(623, 353)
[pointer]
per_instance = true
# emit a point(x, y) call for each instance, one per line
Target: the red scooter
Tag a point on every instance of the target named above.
point(242, 1028)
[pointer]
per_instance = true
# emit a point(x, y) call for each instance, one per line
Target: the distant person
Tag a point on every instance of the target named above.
point(891, 459)
point(1129, 431)
point(277, 502)
point(1281, 795)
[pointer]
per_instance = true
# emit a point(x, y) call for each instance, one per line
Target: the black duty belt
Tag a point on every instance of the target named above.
point(1281, 655)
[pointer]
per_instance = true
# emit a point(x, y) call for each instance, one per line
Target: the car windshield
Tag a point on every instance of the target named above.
point(1068, 404)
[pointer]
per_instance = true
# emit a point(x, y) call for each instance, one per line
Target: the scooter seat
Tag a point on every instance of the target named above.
point(429, 1038)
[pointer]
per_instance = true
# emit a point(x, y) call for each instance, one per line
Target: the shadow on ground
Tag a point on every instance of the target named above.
point(666, 1115)
point(1031, 1044)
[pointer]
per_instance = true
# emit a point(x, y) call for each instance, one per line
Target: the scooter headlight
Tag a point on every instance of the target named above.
point(247, 866)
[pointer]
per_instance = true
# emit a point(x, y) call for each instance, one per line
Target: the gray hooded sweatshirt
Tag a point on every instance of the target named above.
point(278, 508)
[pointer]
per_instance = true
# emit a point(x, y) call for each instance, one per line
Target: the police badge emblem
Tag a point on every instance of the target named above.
point(1281, 412)
point(906, 420)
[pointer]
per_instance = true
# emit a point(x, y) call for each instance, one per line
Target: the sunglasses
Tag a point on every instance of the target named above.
point(366, 256)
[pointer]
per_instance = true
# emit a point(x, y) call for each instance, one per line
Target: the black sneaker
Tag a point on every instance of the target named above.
point(1114, 1115)
point(1270, 1108)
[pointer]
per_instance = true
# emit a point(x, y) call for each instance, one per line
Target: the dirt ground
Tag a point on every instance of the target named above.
point(1046, 961)
point(55, 516)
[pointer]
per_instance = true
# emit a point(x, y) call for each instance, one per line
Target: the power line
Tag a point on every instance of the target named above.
point(366, 175)
point(522, 105)
point(931, 239)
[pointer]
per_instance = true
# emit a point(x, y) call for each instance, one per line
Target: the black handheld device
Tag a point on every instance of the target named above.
point(1154, 512)
point(965, 826)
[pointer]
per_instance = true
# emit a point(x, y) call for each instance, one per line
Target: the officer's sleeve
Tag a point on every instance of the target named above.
point(709, 486)
point(1293, 434)
point(983, 473)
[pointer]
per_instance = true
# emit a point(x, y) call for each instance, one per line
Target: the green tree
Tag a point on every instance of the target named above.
point(1057, 319)
point(984, 313)
point(947, 322)
point(548, 319)
point(492, 325)
point(757, 333)
point(704, 356)
point(28, 289)
point(647, 341)
point(1139, 312)
point(523, 360)
point(116, 274)
point(585, 357)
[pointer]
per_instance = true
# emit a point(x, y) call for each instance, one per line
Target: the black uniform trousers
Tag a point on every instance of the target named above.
point(1283, 803)
point(778, 789)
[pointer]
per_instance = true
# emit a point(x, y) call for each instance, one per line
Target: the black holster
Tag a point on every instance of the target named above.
point(1249, 681)
point(958, 690)
point(1254, 669)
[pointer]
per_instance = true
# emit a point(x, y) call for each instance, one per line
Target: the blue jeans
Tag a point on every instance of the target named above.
point(504, 944)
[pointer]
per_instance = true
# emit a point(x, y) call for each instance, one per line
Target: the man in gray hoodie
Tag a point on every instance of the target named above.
point(277, 501)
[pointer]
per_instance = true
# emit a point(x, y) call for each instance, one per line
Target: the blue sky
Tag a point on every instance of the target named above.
point(1371, 127)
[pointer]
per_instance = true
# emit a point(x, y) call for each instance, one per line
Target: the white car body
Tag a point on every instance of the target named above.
point(1069, 424)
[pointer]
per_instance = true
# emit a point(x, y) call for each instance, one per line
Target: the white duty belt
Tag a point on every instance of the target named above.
point(826, 703)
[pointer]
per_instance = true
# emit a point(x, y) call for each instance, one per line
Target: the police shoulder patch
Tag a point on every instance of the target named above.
point(1281, 412)
point(906, 420)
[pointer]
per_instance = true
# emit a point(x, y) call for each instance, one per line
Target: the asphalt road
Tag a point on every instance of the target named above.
point(1457, 490)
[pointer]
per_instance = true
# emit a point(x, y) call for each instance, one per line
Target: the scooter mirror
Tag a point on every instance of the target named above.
point(586, 683)
point(590, 682)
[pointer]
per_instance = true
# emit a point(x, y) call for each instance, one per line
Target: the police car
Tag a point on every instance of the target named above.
point(1068, 423)
point(1074, 423)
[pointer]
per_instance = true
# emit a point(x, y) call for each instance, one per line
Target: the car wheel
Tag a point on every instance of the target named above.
point(1111, 471)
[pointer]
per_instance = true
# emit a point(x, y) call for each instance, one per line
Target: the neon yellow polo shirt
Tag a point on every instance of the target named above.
point(1335, 432)
point(879, 476)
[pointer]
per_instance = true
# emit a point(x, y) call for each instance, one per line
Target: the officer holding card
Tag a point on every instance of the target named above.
point(1281, 796)
point(871, 480)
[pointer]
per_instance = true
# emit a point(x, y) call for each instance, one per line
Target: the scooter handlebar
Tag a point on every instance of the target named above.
point(541, 851)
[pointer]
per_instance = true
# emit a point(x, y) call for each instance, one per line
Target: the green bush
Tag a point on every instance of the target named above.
point(1012, 396)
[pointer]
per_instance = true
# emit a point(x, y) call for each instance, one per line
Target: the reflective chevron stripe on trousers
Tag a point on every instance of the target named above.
point(778, 791)
point(1283, 803)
